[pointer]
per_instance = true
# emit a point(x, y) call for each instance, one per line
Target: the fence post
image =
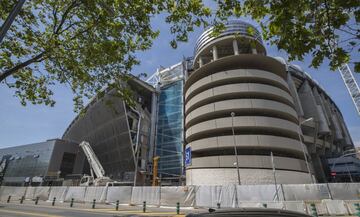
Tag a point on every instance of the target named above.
point(9, 198)
point(93, 205)
point(117, 205)
point(177, 208)
point(53, 202)
point(144, 206)
point(218, 205)
point(72, 202)
point(264, 205)
point(313, 210)
point(357, 207)
point(36, 200)
point(22, 199)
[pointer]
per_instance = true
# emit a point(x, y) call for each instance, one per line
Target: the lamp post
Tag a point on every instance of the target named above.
point(235, 146)
point(345, 155)
point(304, 149)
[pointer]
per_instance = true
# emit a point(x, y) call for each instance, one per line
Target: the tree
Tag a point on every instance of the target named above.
point(88, 44)
point(85, 44)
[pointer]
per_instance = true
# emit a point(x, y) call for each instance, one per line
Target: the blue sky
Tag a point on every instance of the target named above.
point(35, 123)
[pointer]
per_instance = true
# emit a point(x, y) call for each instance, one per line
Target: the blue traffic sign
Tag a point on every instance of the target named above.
point(188, 155)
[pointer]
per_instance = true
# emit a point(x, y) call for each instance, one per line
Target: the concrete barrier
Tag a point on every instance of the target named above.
point(335, 207)
point(297, 206)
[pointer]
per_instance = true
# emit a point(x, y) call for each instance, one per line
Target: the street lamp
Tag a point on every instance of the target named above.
point(345, 155)
point(304, 149)
point(235, 149)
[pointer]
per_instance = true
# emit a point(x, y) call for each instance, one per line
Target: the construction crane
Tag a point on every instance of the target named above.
point(155, 181)
point(351, 85)
point(95, 167)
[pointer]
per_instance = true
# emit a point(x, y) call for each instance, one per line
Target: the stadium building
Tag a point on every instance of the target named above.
point(228, 115)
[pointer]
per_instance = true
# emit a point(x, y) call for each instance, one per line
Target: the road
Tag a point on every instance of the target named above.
point(30, 210)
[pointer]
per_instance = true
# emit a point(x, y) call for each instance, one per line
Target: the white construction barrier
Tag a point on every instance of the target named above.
point(298, 192)
point(78, 193)
point(275, 205)
point(350, 205)
point(185, 195)
point(210, 196)
point(97, 193)
point(33, 192)
point(30, 193)
point(149, 194)
point(297, 206)
point(59, 192)
point(320, 207)
point(259, 193)
point(121, 193)
point(15, 192)
point(335, 207)
point(250, 204)
point(345, 191)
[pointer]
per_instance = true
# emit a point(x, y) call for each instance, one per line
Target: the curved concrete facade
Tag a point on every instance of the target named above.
point(265, 121)
point(232, 75)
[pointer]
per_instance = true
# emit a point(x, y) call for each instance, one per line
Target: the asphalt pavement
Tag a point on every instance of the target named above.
point(45, 209)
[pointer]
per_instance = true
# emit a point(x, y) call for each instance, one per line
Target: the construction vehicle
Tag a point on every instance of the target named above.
point(155, 181)
point(95, 167)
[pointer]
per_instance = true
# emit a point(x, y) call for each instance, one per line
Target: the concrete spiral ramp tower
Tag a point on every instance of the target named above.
point(233, 74)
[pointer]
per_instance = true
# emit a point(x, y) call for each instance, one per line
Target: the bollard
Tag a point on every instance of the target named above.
point(93, 205)
point(36, 200)
point(22, 199)
point(144, 206)
point(72, 202)
point(177, 208)
point(218, 205)
point(9, 198)
point(313, 210)
point(117, 205)
point(53, 202)
point(357, 207)
point(264, 205)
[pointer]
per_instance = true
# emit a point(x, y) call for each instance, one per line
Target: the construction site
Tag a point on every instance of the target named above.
point(228, 127)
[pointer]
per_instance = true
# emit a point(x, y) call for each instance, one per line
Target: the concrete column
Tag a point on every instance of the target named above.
point(201, 62)
point(215, 53)
point(236, 48)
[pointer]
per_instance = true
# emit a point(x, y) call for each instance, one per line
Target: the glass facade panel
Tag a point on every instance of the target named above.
point(27, 161)
point(169, 138)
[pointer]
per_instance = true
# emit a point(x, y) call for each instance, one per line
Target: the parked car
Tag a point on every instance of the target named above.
point(251, 212)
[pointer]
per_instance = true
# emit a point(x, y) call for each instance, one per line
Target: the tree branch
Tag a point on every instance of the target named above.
point(14, 69)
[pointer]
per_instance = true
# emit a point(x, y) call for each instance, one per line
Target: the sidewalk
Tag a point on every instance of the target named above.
point(109, 208)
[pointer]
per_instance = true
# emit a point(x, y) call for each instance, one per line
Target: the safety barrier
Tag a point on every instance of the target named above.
point(325, 199)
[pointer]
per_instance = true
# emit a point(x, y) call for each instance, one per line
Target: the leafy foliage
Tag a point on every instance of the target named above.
point(326, 29)
point(85, 44)
point(89, 44)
